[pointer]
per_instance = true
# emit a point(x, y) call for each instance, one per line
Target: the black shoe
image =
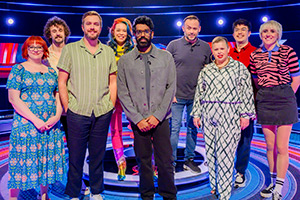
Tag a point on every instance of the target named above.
point(167, 198)
point(192, 166)
point(267, 192)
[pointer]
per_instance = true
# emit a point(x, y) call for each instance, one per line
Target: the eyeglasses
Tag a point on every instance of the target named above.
point(146, 32)
point(38, 48)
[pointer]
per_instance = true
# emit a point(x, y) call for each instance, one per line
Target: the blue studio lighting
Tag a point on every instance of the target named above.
point(265, 18)
point(10, 21)
point(179, 23)
point(221, 21)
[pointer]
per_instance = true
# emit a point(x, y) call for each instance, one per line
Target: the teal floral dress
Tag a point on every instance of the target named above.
point(35, 157)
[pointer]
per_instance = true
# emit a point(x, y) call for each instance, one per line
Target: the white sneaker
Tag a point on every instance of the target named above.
point(85, 190)
point(95, 197)
point(240, 180)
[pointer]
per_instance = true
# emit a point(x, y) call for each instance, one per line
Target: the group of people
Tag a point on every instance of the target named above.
point(86, 85)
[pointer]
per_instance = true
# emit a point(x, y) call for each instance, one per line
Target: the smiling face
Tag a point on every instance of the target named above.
point(57, 34)
point(191, 29)
point(120, 33)
point(241, 34)
point(35, 51)
point(269, 37)
point(91, 27)
point(220, 51)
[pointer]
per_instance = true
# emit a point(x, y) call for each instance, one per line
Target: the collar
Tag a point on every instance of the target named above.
point(99, 50)
point(231, 60)
point(153, 53)
point(244, 48)
point(50, 48)
point(276, 48)
point(185, 42)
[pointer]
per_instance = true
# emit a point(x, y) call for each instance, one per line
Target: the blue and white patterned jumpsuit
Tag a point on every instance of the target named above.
point(222, 97)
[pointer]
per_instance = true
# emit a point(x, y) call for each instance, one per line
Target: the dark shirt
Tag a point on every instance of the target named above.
point(189, 60)
point(144, 57)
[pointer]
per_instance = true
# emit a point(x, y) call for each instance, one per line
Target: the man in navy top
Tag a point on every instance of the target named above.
point(190, 55)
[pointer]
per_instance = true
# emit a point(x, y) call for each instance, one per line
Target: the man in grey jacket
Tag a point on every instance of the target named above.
point(146, 88)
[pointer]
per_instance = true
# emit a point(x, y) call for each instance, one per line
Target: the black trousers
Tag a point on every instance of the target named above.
point(86, 132)
point(159, 139)
point(244, 148)
point(63, 121)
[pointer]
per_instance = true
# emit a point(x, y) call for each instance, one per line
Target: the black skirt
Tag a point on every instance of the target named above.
point(276, 105)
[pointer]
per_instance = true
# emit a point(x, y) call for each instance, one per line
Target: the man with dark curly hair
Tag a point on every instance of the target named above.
point(56, 32)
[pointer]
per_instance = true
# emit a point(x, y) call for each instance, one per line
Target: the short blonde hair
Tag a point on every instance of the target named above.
point(272, 24)
point(89, 13)
point(219, 39)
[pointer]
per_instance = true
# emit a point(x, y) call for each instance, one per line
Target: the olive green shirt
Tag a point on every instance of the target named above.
point(88, 84)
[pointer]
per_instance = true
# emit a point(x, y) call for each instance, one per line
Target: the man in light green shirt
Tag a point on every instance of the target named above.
point(88, 91)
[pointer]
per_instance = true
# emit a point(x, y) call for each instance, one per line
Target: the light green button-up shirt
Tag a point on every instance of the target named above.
point(88, 84)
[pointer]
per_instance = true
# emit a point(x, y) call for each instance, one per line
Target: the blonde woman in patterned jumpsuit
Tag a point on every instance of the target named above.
point(223, 105)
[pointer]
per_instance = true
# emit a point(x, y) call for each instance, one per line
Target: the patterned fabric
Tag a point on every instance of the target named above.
point(222, 97)
point(230, 85)
point(119, 52)
point(88, 84)
point(35, 158)
point(276, 69)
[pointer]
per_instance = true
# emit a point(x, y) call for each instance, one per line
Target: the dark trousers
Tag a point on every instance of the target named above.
point(63, 121)
point(159, 138)
point(243, 149)
point(86, 132)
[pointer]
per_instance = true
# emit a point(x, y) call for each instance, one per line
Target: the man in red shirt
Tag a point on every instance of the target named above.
point(241, 52)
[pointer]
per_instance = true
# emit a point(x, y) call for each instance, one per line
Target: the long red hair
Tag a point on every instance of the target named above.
point(29, 41)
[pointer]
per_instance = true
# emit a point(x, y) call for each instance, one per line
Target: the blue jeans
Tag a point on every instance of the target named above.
point(191, 133)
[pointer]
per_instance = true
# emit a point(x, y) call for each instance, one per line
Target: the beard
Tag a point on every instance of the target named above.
point(59, 40)
point(189, 37)
point(95, 37)
point(143, 44)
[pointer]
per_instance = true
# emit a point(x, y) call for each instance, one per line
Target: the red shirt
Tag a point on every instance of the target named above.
point(244, 55)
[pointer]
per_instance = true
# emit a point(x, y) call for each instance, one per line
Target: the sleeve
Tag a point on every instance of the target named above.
point(165, 106)
point(53, 72)
point(64, 62)
point(197, 107)
point(209, 55)
point(170, 48)
point(252, 67)
point(124, 94)
point(14, 80)
point(293, 63)
point(113, 64)
point(247, 109)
